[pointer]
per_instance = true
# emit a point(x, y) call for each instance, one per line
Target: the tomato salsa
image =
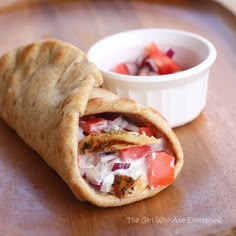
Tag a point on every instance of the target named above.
point(152, 62)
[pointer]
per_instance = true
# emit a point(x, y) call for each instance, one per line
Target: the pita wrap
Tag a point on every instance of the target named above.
point(45, 88)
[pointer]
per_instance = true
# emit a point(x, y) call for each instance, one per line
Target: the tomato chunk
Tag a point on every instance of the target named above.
point(161, 169)
point(134, 153)
point(121, 69)
point(164, 63)
point(93, 125)
point(152, 50)
point(147, 130)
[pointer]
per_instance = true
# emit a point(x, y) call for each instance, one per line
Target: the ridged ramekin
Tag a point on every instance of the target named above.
point(179, 97)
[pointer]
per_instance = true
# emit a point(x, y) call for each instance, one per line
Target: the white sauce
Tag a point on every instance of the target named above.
point(98, 172)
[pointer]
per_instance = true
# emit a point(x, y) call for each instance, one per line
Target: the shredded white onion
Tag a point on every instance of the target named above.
point(120, 124)
point(132, 68)
point(155, 147)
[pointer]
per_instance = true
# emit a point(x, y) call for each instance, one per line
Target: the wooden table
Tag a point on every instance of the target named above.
point(35, 201)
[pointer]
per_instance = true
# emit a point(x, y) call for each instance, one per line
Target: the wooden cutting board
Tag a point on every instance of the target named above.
point(33, 198)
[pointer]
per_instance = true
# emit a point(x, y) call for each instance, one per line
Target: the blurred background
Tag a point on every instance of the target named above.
point(82, 23)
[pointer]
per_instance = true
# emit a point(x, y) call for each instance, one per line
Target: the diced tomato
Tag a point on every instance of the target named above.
point(147, 130)
point(134, 153)
point(161, 169)
point(121, 69)
point(94, 125)
point(152, 50)
point(165, 64)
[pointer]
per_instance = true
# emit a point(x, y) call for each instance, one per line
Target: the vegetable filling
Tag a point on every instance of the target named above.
point(153, 61)
point(120, 157)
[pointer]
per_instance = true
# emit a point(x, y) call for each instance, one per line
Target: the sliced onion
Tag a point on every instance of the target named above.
point(160, 146)
point(106, 153)
point(107, 156)
point(144, 69)
point(152, 64)
point(96, 186)
point(132, 68)
point(107, 183)
point(131, 127)
point(124, 123)
point(93, 175)
point(120, 165)
point(116, 122)
point(170, 53)
point(140, 60)
point(86, 162)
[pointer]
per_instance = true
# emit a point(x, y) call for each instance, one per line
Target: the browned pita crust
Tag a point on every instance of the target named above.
point(44, 89)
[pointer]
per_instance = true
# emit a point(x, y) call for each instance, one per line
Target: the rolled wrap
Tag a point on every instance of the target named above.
point(45, 87)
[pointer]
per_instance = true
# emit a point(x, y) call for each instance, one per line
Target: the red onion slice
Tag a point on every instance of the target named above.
point(140, 61)
point(120, 165)
point(96, 186)
point(107, 156)
point(106, 153)
point(170, 53)
point(131, 127)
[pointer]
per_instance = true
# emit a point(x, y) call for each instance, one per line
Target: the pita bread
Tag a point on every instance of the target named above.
point(45, 87)
point(101, 102)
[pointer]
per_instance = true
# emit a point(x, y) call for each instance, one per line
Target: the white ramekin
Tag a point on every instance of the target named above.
point(179, 97)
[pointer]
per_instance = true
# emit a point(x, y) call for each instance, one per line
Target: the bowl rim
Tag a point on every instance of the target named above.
point(201, 67)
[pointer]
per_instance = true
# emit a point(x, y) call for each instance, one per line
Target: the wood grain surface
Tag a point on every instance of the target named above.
point(35, 201)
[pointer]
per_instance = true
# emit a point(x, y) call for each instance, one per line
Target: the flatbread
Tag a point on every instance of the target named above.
point(45, 87)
